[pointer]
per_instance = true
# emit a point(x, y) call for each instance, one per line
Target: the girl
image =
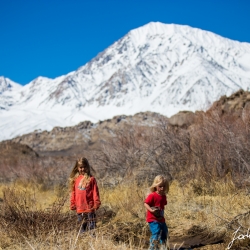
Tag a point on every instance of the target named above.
point(154, 204)
point(84, 194)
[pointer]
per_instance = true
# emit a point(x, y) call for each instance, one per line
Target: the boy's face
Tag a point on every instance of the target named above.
point(160, 189)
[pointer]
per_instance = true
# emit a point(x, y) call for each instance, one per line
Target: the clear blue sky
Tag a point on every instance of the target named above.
point(53, 37)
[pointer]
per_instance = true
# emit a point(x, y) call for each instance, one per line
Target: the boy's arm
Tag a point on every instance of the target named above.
point(148, 202)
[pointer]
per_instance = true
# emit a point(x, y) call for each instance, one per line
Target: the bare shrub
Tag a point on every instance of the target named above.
point(143, 152)
point(21, 216)
point(220, 146)
point(212, 148)
point(173, 153)
point(130, 150)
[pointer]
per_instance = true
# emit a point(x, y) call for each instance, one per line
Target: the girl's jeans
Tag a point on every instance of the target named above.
point(88, 221)
point(159, 231)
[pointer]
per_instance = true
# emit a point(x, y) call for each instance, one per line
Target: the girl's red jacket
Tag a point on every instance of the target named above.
point(87, 199)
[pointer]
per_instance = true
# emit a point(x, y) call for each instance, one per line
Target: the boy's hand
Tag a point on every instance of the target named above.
point(155, 211)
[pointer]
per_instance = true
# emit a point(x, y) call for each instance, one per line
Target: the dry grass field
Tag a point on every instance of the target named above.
point(197, 213)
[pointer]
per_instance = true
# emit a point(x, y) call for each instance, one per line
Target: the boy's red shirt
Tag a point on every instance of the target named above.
point(84, 201)
point(155, 200)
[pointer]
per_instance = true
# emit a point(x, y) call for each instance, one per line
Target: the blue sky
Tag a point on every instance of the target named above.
point(54, 37)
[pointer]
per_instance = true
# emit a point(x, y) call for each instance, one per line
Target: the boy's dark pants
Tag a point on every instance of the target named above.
point(88, 221)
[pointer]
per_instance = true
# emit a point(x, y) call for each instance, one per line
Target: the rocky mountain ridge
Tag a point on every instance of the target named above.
point(84, 136)
point(88, 135)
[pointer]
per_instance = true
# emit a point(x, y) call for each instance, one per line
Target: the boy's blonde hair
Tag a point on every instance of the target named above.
point(158, 180)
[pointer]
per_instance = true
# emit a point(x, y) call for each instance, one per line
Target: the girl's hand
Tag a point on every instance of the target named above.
point(72, 207)
point(93, 210)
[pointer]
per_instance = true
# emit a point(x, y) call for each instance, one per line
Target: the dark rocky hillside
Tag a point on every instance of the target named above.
point(232, 105)
point(84, 136)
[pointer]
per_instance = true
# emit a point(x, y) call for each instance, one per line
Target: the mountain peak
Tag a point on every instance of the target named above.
point(163, 68)
point(7, 85)
point(194, 35)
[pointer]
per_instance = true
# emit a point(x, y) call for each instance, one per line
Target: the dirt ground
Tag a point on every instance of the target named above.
point(194, 238)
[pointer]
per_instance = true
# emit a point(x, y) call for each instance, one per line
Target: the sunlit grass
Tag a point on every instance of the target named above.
point(196, 205)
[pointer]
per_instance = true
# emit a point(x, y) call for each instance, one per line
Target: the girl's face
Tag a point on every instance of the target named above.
point(82, 169)
point(160, 189)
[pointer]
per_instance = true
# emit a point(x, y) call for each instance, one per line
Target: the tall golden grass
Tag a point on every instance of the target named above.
point(32, 218)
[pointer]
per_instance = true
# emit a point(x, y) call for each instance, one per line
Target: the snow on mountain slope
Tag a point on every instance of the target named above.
point(8, 90)
point(159, 67)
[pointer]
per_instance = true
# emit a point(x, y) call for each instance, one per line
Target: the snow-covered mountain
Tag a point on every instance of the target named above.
point(159, 67)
